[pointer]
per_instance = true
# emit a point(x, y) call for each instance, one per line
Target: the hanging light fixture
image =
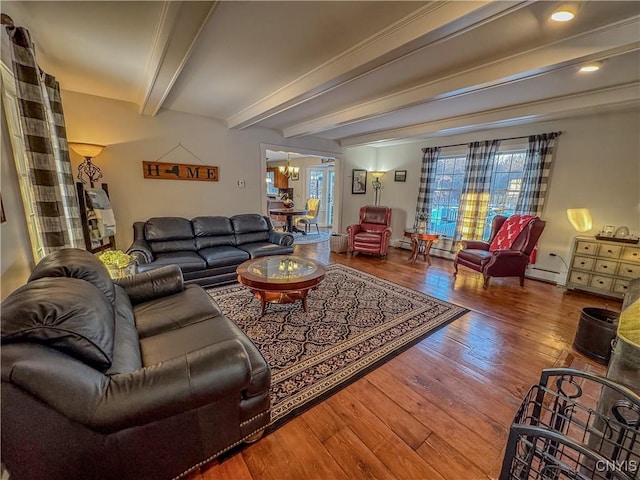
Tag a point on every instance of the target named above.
point(288, 171)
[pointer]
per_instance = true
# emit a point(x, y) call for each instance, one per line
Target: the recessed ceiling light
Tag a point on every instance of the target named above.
point(591, 67)
point(562, 15)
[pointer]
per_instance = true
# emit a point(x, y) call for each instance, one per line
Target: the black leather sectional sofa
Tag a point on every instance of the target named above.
point(143, 379)
point(207, 249)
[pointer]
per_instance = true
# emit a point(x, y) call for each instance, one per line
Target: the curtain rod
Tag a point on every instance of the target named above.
point(557, 134)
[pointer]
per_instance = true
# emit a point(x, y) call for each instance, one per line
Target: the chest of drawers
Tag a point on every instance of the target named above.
point(603, 267)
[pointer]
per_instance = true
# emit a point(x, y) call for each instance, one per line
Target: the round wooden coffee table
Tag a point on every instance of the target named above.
point(281, 278)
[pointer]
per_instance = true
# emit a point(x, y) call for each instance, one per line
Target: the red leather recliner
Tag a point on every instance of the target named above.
point(373, 232)
point(500, 263)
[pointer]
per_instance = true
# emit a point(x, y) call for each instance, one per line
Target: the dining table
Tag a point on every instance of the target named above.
point(289, 213)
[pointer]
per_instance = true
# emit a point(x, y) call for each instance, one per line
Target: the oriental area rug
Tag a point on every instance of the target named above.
point(355, 322)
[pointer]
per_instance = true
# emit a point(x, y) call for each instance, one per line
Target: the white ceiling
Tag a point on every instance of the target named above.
point(359, 72)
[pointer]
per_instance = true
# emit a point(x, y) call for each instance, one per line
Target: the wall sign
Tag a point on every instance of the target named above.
point(179, 171)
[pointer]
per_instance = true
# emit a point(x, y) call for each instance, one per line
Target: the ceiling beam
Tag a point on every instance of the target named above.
point(178, 28)
point(423, 27)
point(608, 41)
point(551, 108)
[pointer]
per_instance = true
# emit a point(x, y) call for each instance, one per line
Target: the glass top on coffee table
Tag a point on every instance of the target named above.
point(283, 267)
point(281, 278)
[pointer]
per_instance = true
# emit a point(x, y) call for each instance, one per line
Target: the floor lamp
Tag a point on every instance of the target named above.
point(377, 185)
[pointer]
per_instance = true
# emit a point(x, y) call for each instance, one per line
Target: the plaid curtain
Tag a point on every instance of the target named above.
point(537, 169)
point(427, 177)
point(474, 201)
point(42, 122)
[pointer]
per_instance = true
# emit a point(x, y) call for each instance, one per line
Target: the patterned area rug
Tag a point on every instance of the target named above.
point(300, 239)
point(355, 322)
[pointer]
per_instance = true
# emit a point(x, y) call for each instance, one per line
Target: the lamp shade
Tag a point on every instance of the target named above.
point(580, 219)
point(90, 150)
point(377, 175)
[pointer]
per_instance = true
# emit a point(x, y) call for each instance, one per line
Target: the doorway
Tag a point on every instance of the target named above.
point(317, 177)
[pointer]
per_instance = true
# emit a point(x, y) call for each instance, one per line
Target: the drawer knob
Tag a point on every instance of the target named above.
point(600, 282)
point(581, 263)
point(604, 266)
point(629, 270)
point(609, 251)
point(579, 278)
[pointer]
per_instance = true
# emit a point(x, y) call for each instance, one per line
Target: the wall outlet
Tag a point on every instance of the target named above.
point(241, 183)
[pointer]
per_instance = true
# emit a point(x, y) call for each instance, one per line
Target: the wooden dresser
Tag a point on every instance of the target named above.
point(603, 267)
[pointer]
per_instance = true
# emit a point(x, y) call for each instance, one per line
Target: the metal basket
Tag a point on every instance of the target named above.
point(556, 435)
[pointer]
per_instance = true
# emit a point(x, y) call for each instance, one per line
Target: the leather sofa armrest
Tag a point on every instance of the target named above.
point(178, 385)
point(508, 253)
point(475, 245)
point(141, 251)
point(152, 284)
point(283, 239)
point(353, 229)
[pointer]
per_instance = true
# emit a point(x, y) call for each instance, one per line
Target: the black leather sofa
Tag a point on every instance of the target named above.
point(207, 249)
point(144, 379)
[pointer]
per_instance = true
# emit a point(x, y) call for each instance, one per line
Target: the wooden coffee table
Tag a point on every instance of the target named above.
point(281, 278)
point(421, 243)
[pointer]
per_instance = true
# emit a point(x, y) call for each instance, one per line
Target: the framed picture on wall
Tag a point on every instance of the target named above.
point(359, 181)
point(400, 176)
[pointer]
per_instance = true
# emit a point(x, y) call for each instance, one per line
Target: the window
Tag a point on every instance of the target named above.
point(448, 202)
point(271, 188)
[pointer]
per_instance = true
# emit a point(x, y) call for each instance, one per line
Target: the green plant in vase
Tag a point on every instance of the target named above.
point(118, 263)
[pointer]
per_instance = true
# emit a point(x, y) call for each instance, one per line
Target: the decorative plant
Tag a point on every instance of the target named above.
point(116, 258)
point(422, 216)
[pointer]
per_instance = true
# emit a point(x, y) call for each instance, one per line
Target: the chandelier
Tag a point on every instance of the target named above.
point(289, 171)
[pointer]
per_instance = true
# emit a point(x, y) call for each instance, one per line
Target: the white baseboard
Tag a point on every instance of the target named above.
point(437, 250)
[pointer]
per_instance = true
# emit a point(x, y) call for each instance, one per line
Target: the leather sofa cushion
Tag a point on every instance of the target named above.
point(66, 314)
point(175, 343)
point(477, 257)
point(375, 215)
point(367, 237)
point(126, 346)
point(262, 249)
point(223, 256)
point(75, 263)
point(159, 229)
point(186, 260)
point(169, 234)
point(172, 312)
point(373, 227)
point(249, 228)
point(213, 231)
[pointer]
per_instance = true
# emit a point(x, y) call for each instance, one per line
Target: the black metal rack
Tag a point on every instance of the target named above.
point(557, 435)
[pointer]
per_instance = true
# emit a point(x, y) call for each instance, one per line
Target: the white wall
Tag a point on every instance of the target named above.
point(15, 249)
point(597, 166)
point(132, 138)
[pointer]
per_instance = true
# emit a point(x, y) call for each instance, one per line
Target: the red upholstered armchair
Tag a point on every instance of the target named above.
point(500, 263)
point(373, 232)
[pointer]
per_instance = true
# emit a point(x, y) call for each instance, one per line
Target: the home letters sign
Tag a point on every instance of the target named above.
point(180, 171)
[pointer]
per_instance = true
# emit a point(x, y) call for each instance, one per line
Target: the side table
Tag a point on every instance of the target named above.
point(421, 243)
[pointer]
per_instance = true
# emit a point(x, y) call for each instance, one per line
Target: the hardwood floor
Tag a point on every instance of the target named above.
point(440, 410)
